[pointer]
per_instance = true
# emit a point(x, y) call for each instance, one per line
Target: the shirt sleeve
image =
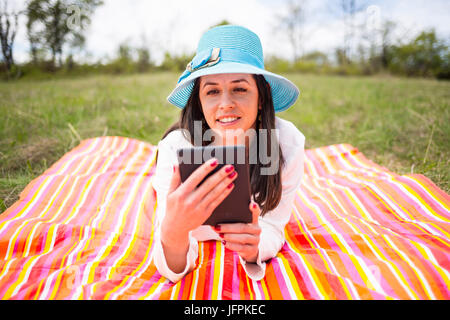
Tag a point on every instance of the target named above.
point(161, 184)
point(272, 224)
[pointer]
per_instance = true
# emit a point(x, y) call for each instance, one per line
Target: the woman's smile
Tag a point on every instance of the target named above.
point(228, 120)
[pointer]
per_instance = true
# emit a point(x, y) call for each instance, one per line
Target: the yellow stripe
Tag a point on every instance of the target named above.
point(110, 159)
point(176, 290)
point(431, 194)
point(147, 252)
point(25, 224)
point(264, 287)
point(29, 203)
point(293, 281)
point(403, 209)
point(249, 288)
point(196, 272)
point(74, 209)
point(153, 288)
point(122, 225)
point(22, 274)
point(217, 275)
point(29, 263)
point(372, 244)
point(424, 203)
point(39, 289)
point(141, 211)
point(312, 272)
point(36, 193)
point(344, 286)
point(379, 252)
point(393, 212)
point(438, 268)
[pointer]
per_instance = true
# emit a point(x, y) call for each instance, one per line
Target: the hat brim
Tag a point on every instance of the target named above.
point(284, 92)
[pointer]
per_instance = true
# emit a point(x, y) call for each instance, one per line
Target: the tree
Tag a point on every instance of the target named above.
point(54, 24)
point(8, 31)
point(294, 23)
point(143, 62)
point(424, 56)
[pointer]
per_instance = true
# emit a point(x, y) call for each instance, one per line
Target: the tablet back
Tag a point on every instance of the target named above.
point(235, 207)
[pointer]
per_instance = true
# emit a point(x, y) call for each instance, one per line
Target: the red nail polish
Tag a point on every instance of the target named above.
point(254, 206)
point(230, 186)
point(231, 175)
point(214, 163)
point(224, 242)
point(221, 235)
point(229, 169)
point(217, 228)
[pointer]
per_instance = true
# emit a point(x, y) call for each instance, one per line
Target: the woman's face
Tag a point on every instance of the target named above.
point(229, 103)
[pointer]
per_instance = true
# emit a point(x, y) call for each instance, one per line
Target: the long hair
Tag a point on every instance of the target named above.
point(266, 189)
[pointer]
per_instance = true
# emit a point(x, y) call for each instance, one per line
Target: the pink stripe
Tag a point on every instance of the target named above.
point(401, 195)
point(280, 279)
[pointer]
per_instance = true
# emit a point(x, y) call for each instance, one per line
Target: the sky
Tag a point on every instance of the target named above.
point(176, 25)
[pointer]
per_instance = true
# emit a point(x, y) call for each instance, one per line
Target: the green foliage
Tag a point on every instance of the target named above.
point(424, 56)
point(54, 24)
point(176, 62)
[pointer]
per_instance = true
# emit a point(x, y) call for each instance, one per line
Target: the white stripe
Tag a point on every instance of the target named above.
point(35, 259)
point(113, 233)
point(418, 272)
point(375, 253)
point(305, 267)
point(287, 280)
point(139, 177)
point(365, 266)
point(369, 275)
point(419, 203)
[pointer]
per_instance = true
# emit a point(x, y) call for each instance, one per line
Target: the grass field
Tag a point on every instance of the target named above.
point(402, 124)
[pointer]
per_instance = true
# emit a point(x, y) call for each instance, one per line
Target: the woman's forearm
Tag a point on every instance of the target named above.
point(175, 247)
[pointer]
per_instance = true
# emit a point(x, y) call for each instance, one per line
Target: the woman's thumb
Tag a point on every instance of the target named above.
point(256, 211)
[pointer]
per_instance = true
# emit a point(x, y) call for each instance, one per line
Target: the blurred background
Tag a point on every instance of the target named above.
point(373, 74)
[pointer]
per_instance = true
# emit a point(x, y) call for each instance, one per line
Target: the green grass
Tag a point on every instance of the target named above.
point(402, 124)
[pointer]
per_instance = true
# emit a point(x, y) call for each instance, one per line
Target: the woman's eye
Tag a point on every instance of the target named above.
point(240, 89)
point(211, 92)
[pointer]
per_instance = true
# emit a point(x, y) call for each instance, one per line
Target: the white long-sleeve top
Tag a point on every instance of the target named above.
point(272, 224)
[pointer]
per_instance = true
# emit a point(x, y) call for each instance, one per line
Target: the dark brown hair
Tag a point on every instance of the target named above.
point(266, 189)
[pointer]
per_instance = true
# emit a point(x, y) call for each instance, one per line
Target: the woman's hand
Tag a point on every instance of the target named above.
point(243, 237)
point(188, 206)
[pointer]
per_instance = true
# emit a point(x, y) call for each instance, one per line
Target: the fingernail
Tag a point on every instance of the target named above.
point(229, 169)
point(254, 206)
point(231, 175)
point(224, 242)
point(217, 228)
point(214, 163)
point(230, 186)
point(221, 235)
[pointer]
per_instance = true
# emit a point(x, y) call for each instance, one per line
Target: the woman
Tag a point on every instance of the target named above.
point(226, 89)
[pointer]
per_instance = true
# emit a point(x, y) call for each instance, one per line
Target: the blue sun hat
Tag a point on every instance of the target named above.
point(232, 49)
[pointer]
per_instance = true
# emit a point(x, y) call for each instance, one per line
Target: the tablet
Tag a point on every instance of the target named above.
point(235, 207)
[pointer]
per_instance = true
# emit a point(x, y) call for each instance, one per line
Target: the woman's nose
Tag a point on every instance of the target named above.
point(226, 101)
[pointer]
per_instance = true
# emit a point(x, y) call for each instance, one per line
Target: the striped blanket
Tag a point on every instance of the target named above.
point(84, 230)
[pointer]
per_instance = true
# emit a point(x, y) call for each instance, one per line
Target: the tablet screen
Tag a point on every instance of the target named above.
point(235, 207)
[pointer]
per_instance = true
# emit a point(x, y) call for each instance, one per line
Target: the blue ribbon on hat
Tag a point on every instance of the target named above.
point(210, 57)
